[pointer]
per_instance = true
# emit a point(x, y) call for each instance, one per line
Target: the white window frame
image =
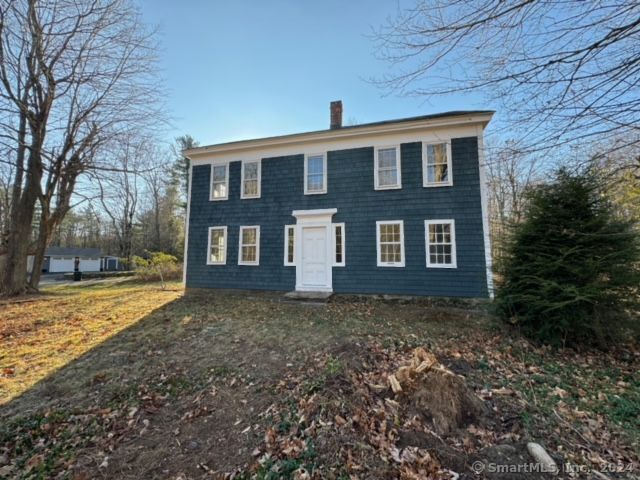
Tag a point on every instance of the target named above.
point(379, 250)
point(226, 179)
point(377, 185)
point(209, 261)
point(324, 174)
point(454, 259)
point(288, 228)
point(242, 195)
point(240, 245)
point(425, 180)
point(343, 250)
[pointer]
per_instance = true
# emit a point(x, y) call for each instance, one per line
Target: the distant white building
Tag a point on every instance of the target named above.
point(69, 259)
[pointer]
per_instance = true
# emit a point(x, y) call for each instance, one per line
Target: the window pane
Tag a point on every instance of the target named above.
point(387, 177)
point(219, 173)
point(338, 243)
point(290, 245)
point(219, 190)
point(249, 254)
point(250, 187)
point(439, 238)
point(437, 154)
point(314, 182)
point(250, 171)
point(249, 236)
point(387, 158)
point(441, 173)
point(315, 165)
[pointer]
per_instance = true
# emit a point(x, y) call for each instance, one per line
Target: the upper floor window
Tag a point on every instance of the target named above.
point(387, 168)
point(289, 245)
point(390, 243)
point(441, 243)
point(436, 164)
point(219, 182)
point(251, 172)
point(339, 245)
point(217, 248)
point(249, 253)
point(315, 174)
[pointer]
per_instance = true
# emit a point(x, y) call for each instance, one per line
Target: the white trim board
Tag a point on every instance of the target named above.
point(325, 136)
point(485, 212)
point(262, 151)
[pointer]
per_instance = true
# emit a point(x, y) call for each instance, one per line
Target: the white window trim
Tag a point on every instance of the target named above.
point(398, 167)
point(226, 177)
point(344, 236)
point(224, 229)
point(425, 182)
point(246, 227)
point(324, 174)
point(454, 258)
point(242, 195)
point(286, 245)
point(378, 250)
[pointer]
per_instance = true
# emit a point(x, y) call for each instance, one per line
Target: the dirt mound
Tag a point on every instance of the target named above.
point(435, 393)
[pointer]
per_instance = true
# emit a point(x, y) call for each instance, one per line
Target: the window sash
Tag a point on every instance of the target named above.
point(289, 245)
point(251, 179)
point(390, 244)
point(249, 246)
point(437, 164)
point(440, 243)
point(315, 174)
point(339, 244)
point(217, 246)
point(387, 167)
point(219, 181)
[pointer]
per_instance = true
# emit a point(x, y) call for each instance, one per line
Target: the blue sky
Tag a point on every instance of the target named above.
point(246, 69)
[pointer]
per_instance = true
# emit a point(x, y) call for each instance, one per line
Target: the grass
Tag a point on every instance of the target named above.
point(43, 334)
point(121, 379)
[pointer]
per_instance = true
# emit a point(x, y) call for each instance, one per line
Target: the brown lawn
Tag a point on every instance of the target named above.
point(124, 380)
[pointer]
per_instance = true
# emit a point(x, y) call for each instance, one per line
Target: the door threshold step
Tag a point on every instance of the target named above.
point(303, 296)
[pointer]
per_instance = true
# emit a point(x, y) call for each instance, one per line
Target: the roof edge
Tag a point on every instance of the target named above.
point(389, 126)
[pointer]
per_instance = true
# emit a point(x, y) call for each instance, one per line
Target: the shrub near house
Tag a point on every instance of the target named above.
point(573, 274)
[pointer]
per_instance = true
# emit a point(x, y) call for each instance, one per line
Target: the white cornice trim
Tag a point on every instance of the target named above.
point(339, 134)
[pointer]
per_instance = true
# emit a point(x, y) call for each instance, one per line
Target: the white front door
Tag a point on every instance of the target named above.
point(314, 258)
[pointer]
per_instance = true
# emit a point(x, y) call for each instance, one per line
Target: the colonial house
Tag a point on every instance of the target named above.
point(392, 207)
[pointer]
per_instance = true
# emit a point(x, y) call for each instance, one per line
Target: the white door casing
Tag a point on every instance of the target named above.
point(314, 249)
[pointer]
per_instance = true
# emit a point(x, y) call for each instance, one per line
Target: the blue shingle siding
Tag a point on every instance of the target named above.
point(350, 185)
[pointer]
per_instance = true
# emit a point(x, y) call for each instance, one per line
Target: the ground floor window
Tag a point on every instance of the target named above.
point(339, 244)
point(289, 245)
point(441, 243)
point(249, 253)
point(390, 243)
point(217, 249)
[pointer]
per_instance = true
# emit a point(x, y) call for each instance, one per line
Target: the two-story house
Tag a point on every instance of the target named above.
point(393, 207)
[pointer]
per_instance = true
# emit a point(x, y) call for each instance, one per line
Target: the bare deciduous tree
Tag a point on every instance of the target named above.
point(561, 71)
point(75, 77)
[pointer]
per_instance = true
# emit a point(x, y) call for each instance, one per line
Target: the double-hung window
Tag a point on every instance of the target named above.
point(289, 245)
point(217, 247)
point(441, 243)
point(436, 164)
point(339, 244)
point(249, 251)
point(251, 173)
point(390, 243)
point(387, 171)
point(315, 174)
point(219, 181)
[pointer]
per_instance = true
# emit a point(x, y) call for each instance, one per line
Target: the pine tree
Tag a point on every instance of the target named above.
point(572, 273)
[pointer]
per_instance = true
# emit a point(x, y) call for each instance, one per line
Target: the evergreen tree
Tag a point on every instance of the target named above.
point(572, 272)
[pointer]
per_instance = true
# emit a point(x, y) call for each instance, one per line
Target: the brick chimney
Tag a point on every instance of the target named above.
point(336, 114)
